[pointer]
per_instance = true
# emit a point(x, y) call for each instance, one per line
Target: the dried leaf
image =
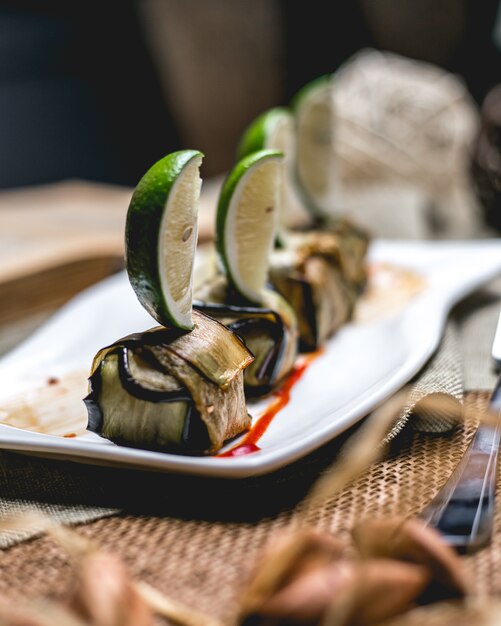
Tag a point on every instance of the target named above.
point(341, 593)
point(287, 556)
point(305, 599)
point(174, 611)
point(381, 589)
point(105, 594)
point(410, 540)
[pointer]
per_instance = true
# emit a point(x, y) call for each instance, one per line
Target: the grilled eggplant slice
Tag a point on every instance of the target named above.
point(321, 274)
point(353, 242)
point(269, 332)
point(168, 389)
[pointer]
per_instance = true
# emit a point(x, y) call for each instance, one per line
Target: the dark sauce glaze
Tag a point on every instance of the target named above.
point(282, 395)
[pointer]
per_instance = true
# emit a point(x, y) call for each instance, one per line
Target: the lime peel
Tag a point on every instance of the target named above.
point(313, 108)
point(247, 219)
point(161, 237)
point(261, 133)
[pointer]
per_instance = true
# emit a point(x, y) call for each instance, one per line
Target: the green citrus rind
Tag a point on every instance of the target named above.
point(152, 198)
point(307, 90)
point(312, 174)
point(233, 188)
point(257, 135)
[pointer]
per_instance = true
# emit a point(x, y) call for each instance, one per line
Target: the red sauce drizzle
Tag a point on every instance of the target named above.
point(248, 445)
point(70, 435)
point(52, 380)
point(241, 450)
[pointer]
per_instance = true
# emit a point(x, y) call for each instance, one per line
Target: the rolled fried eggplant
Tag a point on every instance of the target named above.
point(269, 331)
point(353, 242)
point(168, 389)
point(320, 274)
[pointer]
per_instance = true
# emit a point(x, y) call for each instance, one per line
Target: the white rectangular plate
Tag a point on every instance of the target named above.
point(361, 366)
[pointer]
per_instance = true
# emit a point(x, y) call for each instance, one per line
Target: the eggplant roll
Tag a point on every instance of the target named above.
point(171, 390)
point(320, 274)
point(269, 331)
point(353, 244)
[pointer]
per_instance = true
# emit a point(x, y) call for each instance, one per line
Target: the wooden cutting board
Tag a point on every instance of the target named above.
point(57, 239)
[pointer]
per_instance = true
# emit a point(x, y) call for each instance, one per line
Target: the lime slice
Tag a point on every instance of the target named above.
point(313, 108)
point(274, 130)
point(161, 237)
point(246, 220)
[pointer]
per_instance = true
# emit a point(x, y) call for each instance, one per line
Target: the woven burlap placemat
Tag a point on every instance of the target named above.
point(196, 539)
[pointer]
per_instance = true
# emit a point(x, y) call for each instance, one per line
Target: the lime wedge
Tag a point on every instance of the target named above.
point(161, 237)
point(246, 221)
point(314, 112)
point(274, 129)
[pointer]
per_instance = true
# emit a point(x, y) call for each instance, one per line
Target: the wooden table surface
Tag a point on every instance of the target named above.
point(57, 239)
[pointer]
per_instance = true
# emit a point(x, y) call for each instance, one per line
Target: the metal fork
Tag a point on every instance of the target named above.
point(463, 509)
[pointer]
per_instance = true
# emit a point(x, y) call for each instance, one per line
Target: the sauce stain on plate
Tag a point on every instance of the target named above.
point(54, 407)
point(281, 397)
point(389, 290)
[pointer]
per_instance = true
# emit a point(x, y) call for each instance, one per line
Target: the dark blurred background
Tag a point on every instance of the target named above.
point(100, 90)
